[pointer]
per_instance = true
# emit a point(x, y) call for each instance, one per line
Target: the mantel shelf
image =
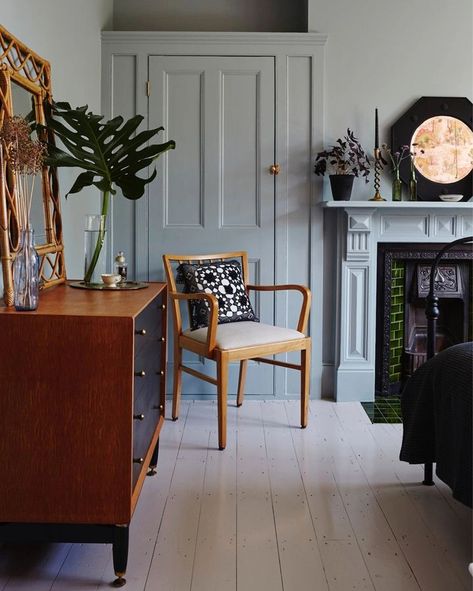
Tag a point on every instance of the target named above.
point(399, 204)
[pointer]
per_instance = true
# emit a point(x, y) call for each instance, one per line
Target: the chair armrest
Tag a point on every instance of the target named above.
point(177, 296)
point(306, 299)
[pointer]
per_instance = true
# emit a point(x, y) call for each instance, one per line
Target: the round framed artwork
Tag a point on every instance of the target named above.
point(439, 134)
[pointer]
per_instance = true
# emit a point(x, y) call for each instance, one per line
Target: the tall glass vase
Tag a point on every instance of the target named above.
point(26, 274)
point(95, 233)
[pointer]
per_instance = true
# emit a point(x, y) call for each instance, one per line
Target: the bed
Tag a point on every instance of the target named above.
point(437, 416)
point(436, 406)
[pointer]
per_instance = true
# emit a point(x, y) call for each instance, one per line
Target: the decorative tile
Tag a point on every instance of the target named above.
point(384, 410)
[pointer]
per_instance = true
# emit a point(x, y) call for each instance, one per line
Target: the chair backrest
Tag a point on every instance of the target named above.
point(170, 260)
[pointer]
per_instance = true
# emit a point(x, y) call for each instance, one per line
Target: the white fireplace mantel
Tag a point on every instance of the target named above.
point(361, 225)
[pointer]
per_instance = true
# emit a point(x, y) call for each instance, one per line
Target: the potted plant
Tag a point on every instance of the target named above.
point(110, 153)
point(347, 160)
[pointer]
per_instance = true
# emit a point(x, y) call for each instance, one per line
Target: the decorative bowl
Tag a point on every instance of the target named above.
point(451, 198)
point(111, 279)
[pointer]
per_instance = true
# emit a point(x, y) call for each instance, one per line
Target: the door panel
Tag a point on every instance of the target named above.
point(214, 192)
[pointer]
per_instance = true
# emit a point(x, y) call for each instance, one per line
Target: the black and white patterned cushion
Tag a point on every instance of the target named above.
point(223, 280)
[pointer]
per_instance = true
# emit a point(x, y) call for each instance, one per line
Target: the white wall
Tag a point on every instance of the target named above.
point(388, 54)
point(67, 33)
point(210, 15)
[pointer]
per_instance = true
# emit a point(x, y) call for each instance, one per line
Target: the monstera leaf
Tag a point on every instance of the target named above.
point(109, 152)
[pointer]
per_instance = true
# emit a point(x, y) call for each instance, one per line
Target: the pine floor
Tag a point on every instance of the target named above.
point(281, 509)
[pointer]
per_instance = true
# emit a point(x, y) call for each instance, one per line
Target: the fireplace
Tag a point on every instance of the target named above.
point(401, 327)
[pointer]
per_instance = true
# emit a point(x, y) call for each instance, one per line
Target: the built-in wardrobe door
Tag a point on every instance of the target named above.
point(214, 192)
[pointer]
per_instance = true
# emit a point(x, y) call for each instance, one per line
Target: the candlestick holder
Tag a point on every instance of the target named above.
point(377, 175)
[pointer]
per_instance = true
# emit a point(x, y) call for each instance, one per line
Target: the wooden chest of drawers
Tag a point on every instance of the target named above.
point(82, 400)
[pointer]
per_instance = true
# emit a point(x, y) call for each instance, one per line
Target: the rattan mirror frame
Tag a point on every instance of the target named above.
point(22, 66)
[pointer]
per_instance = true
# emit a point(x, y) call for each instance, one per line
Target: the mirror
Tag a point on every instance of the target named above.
point(25, 88)
point(438, 131)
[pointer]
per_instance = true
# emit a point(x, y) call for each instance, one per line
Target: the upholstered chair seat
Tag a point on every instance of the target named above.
point(245, 334)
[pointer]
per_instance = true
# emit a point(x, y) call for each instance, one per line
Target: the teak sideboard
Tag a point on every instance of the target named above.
point(82, 403)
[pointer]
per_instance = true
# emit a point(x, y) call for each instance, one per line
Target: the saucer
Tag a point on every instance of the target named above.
point(451, 198)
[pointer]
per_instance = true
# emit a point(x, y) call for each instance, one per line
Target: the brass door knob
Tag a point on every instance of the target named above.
point(142, 331)
point(160, 407)
point(275, 169)
point(138, 460)
point(139, 417)
point(160, 373)
point(140, 374)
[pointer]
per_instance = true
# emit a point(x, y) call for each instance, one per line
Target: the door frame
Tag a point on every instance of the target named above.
point(282, 46)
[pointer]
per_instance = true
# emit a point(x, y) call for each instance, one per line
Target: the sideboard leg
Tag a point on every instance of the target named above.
point(154, 461)
point(120, 554)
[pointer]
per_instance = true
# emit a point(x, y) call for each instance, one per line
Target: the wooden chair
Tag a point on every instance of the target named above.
point(230, 342)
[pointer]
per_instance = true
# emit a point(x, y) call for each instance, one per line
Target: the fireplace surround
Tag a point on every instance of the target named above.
point(361, 227)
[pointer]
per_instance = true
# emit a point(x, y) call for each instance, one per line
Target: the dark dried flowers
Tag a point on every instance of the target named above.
point(25, 157)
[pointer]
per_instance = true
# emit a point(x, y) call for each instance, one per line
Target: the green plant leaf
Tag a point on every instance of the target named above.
point(108, 151)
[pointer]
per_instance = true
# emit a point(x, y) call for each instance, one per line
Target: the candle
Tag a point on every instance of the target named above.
point(376, 129)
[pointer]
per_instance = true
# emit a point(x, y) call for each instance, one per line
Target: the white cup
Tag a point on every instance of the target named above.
point(111, 279)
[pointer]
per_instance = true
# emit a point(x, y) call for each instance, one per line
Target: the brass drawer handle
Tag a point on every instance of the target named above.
point(141, 332)
point(139, 417)
point(140, 374)
point(158, 407)
point(160, 373)
point(163, 307)
point(138, 460)
point(162, 339)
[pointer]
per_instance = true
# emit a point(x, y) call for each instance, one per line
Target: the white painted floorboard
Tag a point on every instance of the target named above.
point(328, 508)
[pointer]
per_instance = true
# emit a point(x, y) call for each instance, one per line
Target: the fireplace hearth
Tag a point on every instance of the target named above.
point(402, 285)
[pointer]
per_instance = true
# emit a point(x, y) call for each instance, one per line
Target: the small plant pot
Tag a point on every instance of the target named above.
point(342, 185)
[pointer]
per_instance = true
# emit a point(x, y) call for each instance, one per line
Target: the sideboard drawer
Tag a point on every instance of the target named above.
point(148, 404)
point(150, 321)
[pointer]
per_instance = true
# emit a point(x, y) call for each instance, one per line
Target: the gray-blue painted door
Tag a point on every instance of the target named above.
point(214, 193)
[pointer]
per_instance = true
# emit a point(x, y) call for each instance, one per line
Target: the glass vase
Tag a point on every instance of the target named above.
point(95, 234)
point(26, 274)
point(396, 187)
point(413, 189)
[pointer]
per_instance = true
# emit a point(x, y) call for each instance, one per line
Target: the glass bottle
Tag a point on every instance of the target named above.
point(413, 189)
point(26, 273)
point(121, 266)
point(396, 186)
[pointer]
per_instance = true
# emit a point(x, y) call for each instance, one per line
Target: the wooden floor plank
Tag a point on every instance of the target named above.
point(298, 547)
point(451, 533)
point(215, 567)
point(173, 559)
point(316, 452)
point(430, 565)
point(258, 564)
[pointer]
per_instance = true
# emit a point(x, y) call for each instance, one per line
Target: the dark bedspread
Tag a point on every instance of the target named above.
point(437, 415)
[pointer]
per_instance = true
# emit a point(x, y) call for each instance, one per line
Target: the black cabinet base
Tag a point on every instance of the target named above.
point(80, 533)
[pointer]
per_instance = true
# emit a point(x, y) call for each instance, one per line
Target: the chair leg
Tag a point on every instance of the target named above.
point(241, 382)
point(305, 385)
point(222, 389)
point(176, 392)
